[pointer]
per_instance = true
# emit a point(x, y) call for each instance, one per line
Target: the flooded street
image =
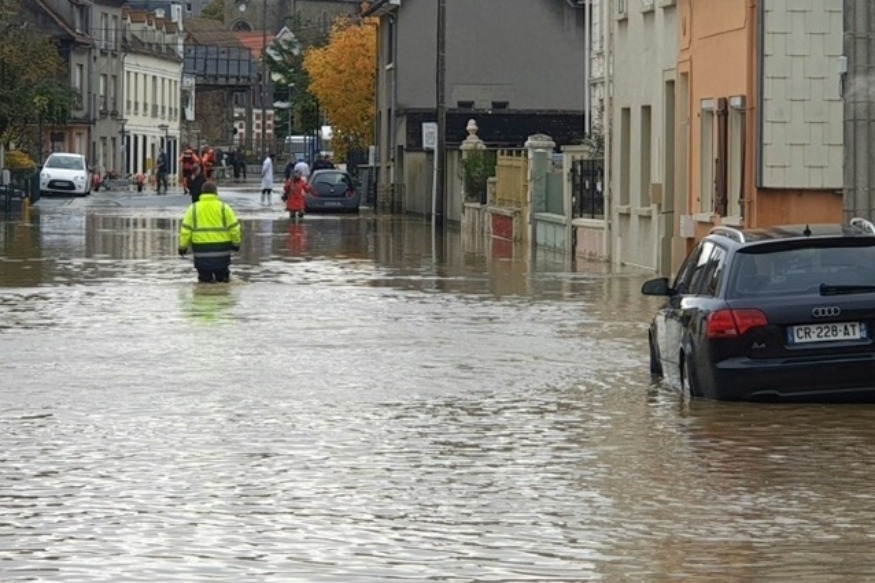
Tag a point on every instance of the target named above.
point(368, 403)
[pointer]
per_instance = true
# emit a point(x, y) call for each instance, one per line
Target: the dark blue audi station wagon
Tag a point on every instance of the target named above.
point(782, 313)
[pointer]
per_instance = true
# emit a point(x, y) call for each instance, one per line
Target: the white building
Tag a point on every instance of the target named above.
point(152, 89)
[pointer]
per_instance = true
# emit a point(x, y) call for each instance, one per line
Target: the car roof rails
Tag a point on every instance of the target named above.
point(863, 224)
point(729, 232)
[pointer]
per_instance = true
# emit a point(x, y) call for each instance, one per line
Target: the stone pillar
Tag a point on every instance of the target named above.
point(470, 144)
point(540, 148)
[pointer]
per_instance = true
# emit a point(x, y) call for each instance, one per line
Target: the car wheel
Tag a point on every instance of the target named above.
point(688, 386)
point(655, 364)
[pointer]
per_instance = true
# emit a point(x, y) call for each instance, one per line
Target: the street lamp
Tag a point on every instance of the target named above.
point(124, 149)
point(241, 6)
point(167, 157)
point(164, 127)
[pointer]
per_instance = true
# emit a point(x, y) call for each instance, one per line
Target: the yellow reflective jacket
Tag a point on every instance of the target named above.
point(211, 228)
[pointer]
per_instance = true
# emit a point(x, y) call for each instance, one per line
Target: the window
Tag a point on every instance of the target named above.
point(104, 30)
point(625, 154)
point(390, 43)
point(500, 104)
point(736, 156)
point(646, 172)
point(78, 78)
point(713, 275)
point(685, 273)
point(154, 99)
point(706, 152)
point(79, 18)
point(702, 270)
point(113, 93)
point(113, 33)
point(102, 94)
point(104, 153)
point(465, 104)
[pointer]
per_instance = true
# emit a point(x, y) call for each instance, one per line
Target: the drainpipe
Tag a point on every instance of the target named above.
point(608, 123)
point(441, 107)
point(587, 47)
point(393, 103)
point(854, 74)
point(92, 101)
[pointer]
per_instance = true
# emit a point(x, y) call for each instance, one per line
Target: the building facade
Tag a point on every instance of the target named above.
point(514, 66)
point(249, 15)
point(89, 40)
point(642, 152)
point(760, 137)
point(152, 89)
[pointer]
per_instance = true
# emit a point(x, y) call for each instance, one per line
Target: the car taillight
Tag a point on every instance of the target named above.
point(350, 193)
point(732, 323)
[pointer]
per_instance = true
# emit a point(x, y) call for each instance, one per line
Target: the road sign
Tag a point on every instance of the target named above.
point(429, 135)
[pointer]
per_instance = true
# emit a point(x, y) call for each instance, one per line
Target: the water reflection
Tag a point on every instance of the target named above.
point(209, 304)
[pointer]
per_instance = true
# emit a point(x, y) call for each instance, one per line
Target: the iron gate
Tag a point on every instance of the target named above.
point(587, 192)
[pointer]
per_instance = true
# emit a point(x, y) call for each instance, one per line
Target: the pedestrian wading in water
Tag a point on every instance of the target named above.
point(267, 179)
point(212, 230)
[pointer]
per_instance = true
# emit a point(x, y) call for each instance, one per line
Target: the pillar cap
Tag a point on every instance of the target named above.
point(540, 141)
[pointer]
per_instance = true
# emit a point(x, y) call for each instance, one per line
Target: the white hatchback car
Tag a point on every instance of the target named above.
point(65, 173)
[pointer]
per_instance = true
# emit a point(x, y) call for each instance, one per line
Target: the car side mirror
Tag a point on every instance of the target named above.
point(657, 287)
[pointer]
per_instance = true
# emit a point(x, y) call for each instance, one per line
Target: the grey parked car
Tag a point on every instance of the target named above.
point(332, 190)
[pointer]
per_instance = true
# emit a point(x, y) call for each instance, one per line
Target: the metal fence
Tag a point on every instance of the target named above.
point(587, 189)
point(22, 186)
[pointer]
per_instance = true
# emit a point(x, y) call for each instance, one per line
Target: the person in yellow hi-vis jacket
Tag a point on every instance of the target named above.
point(212, 230)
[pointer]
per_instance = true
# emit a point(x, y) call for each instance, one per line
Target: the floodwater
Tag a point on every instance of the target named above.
point(367, 402)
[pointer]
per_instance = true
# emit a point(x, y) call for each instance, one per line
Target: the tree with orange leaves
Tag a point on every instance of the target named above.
point(342, 75)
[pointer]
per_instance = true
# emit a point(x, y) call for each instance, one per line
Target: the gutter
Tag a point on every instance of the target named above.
point(381, 7)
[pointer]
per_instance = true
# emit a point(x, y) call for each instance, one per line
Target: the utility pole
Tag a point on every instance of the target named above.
point(859, 110)
point(440, 149)
point(264, 79)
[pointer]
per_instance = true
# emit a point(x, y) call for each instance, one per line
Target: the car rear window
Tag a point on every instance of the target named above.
point(332, 178)
point(331, 182)
point(65, 162)
point(802, 270)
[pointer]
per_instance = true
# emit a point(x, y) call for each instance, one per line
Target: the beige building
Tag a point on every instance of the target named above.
point(641, 145)
point(152, 90)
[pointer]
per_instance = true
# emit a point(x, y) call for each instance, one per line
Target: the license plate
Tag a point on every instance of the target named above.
point(834, 332)
point(333, 203)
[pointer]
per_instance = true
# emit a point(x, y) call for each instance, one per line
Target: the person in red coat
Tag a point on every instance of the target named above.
point(294, 188)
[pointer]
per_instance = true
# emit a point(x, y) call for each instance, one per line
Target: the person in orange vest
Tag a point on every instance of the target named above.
point(186, 163)
point(208, 160)
point(293, 195)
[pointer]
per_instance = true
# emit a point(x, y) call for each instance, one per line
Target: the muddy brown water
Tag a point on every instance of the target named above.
point(367, 402)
